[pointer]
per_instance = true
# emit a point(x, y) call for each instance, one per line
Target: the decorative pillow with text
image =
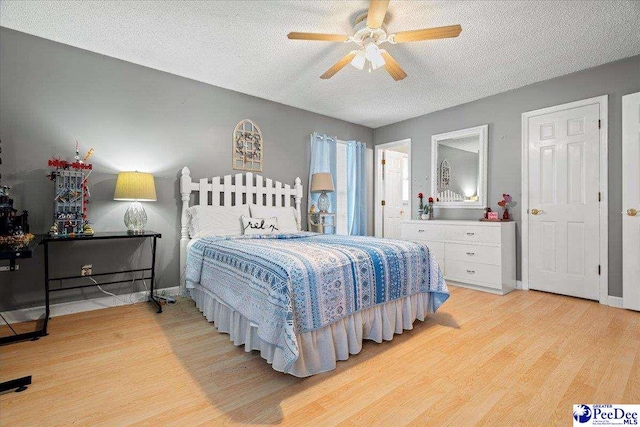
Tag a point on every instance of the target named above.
point(259, 225)
point(287, 217)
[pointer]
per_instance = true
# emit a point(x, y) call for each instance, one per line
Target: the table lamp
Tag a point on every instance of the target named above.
point(322, 183)
point(135, 187)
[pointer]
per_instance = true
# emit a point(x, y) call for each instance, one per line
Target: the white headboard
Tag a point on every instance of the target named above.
point(450, 196)
point(225, 191)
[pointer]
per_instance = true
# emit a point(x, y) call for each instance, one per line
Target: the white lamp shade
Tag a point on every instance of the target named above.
point(321, 181)
point(377, 62)
point(374, 56)
point(372, 53)
point(138, 186)
point(359, 60)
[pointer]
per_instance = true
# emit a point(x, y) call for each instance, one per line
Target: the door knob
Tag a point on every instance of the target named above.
point(632, 212)
point(536, 211)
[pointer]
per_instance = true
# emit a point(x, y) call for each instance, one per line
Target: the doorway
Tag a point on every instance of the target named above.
point(564, 193)
point(393, 187)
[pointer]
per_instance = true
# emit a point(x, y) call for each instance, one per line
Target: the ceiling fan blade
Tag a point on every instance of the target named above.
point(428, 34)
point(318, 36)
point(377, 12)
point(392, 66)
point(338, 65)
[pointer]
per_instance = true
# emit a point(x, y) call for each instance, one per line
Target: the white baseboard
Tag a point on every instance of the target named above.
point(615, 301)
point(61, 309)
point(477, 287)
point(611, 300)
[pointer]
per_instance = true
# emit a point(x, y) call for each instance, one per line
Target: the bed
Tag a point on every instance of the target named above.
point(303, 300)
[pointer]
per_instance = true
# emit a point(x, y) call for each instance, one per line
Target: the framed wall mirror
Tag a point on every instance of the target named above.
point(459, 168)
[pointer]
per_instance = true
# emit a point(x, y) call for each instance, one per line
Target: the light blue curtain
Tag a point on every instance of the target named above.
point(356, 188)
point(323, 159)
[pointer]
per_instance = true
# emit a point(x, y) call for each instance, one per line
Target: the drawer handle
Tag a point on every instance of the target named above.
point(420, 231)
point(471, 234)
point(471, 272)
point(471, 253)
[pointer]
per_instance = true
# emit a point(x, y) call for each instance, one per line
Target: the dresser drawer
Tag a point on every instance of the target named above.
point(426, 231)
point(472, 234)
point(469, 272)
point(472, 253)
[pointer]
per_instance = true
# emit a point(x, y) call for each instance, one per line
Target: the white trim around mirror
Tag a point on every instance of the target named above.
point(483, 135)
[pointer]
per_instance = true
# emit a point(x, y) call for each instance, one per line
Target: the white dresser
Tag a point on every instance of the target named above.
point(474, 254)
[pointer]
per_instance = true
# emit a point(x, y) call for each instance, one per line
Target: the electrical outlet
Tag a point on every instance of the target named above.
point(86, 270)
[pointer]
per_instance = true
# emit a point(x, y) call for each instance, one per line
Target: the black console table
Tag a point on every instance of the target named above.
point(148, 273)
point(21, 384)
point(11, 254)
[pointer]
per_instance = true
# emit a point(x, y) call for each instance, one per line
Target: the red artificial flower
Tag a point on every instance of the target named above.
point(430, 199)
point(420, 195)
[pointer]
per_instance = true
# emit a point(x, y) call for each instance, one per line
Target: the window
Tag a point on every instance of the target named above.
point(335, 155)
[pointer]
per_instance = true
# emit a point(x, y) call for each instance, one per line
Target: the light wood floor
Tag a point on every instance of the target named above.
point(521, 359)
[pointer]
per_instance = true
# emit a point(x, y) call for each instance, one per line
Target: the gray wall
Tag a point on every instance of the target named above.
point(136, 118)
point(503, 114)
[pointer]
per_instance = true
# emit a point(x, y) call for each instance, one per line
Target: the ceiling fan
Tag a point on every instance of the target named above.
point(370, 33)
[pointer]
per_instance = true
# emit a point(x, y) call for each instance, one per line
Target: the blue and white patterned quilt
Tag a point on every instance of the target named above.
point(304, 281)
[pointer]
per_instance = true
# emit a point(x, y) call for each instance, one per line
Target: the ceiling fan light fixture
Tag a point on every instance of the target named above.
point(377, 62)
point(359, 60)
point(372, 53)
point(370, 31)
point(371, 50)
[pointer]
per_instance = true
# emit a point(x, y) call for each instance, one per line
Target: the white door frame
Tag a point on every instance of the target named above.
point(627, 289)
point(602, 101)
point(379, 190)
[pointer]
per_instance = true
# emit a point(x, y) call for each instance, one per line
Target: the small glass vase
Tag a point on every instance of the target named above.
point(430, 211)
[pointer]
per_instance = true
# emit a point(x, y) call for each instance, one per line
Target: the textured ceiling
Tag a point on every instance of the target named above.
point(242, 45)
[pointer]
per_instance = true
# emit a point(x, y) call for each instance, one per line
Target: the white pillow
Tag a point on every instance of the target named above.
point(259, 225)
point(207, 220)
point(287, 218)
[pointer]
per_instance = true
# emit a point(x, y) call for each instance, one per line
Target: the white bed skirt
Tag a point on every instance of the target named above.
point(322, 348)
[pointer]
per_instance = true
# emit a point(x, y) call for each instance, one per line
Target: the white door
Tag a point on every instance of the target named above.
point(393, 209)
point(563, 217)
point(631, 201)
